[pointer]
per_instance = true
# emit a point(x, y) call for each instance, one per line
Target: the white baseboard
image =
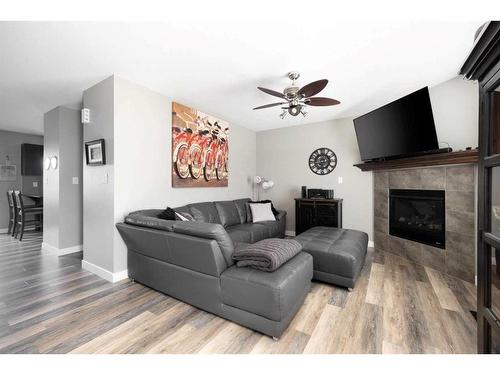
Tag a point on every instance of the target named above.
point(371, 244)
point(290, 233)
point(4, 230)
point(52, 250)
point(103, 273)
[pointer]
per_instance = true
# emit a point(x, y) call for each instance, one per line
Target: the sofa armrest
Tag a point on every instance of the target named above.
point(281, 215)
point(142, 220)
point(187, 251)
point(210, 231)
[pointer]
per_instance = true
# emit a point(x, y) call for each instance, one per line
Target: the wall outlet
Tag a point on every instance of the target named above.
point(75, 180)
point(35, 183)
point(341, 180)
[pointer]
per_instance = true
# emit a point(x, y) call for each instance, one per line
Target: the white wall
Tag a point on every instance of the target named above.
point(140, 174)
point(455, 105)
point(143, 120)
point(282, 155)
point(51, 179)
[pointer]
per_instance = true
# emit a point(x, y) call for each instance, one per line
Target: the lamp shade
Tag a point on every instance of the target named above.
point(54, 162)
point(267, 185)
point(257, 179)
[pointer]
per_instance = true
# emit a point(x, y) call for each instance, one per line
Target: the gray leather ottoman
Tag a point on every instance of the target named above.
point(338, 254)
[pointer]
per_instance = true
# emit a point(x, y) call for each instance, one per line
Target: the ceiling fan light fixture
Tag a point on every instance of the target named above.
point(294, 110)
point(297, 98)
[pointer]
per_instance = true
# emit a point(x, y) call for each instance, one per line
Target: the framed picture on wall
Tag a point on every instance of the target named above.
point(200, 149)
point(95, 152)
point(8, 172)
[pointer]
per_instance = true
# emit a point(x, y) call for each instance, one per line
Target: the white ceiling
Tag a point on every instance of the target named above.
point(216, 64)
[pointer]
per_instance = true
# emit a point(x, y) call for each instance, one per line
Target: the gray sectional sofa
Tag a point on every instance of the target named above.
point(192, 261)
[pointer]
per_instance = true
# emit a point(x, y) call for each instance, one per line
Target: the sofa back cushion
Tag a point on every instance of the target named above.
point(210, 231)
point(204, 212)
point(228, 213)
point(241, 206)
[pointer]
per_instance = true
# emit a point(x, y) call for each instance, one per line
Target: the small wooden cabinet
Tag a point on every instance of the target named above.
point(317, 212)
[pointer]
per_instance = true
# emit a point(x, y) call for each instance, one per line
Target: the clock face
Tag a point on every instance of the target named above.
point(322, 161)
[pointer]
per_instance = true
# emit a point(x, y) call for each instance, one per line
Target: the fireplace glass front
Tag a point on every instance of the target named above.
point(418, 215)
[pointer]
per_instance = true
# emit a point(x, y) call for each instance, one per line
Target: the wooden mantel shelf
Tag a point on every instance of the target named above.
point(456, 157)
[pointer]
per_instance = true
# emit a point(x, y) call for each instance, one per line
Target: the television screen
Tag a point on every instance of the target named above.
point(403, 127)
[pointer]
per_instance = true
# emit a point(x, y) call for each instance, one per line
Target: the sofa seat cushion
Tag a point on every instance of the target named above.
point(272, 228)
point(268, 294)
point(205, 212)
point(239, 235)
point(335, 251)
point(257, 232)
point(228, 213)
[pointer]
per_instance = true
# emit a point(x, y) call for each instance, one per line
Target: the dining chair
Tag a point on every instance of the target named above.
point(26, 216)
point(12, 213)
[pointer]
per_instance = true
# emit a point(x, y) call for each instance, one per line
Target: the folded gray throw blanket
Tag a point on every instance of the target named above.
point(267, 255)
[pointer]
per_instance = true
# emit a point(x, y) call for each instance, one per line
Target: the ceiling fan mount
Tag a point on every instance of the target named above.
point(297, 98)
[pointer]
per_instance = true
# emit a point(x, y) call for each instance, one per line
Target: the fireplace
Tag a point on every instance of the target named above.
point(418, 215)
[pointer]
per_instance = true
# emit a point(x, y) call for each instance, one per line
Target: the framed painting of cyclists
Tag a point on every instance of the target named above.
point(200, 148)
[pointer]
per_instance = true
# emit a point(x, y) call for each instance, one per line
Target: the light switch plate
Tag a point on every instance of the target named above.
point(35, 183)
point(341, 180)
point(75, 180)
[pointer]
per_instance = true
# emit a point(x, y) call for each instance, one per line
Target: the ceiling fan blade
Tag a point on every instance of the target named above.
point(272, 92)
point(270, 105)
point(318, 101)
point(312, 88)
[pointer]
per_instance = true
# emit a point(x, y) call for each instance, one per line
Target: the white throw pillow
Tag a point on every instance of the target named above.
point(261, 212)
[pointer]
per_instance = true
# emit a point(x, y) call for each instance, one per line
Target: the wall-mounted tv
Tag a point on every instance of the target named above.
point(401, 128)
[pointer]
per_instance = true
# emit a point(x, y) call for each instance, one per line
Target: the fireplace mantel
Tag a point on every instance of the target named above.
point(456, 157)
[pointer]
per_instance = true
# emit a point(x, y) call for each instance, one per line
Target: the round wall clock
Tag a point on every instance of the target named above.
point(322, 161)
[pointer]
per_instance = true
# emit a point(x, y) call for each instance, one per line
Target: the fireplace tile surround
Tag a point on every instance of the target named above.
point(458, 182)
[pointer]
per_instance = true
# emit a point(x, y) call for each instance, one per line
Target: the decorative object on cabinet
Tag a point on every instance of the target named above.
point(320, 194)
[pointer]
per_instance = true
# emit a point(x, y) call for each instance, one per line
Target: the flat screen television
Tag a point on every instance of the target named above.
point(401, 128)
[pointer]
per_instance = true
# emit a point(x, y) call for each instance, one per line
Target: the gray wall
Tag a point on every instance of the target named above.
point(282, 155)
point(455, 106)
point(10, 145)
point(63, 201)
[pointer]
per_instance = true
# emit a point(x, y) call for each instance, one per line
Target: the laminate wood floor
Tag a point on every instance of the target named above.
point(51, 305)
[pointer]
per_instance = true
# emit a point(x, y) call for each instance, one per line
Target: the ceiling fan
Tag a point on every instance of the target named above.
point(297, 98)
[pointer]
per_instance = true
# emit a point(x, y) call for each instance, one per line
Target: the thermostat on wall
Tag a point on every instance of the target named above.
point(85, 116)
